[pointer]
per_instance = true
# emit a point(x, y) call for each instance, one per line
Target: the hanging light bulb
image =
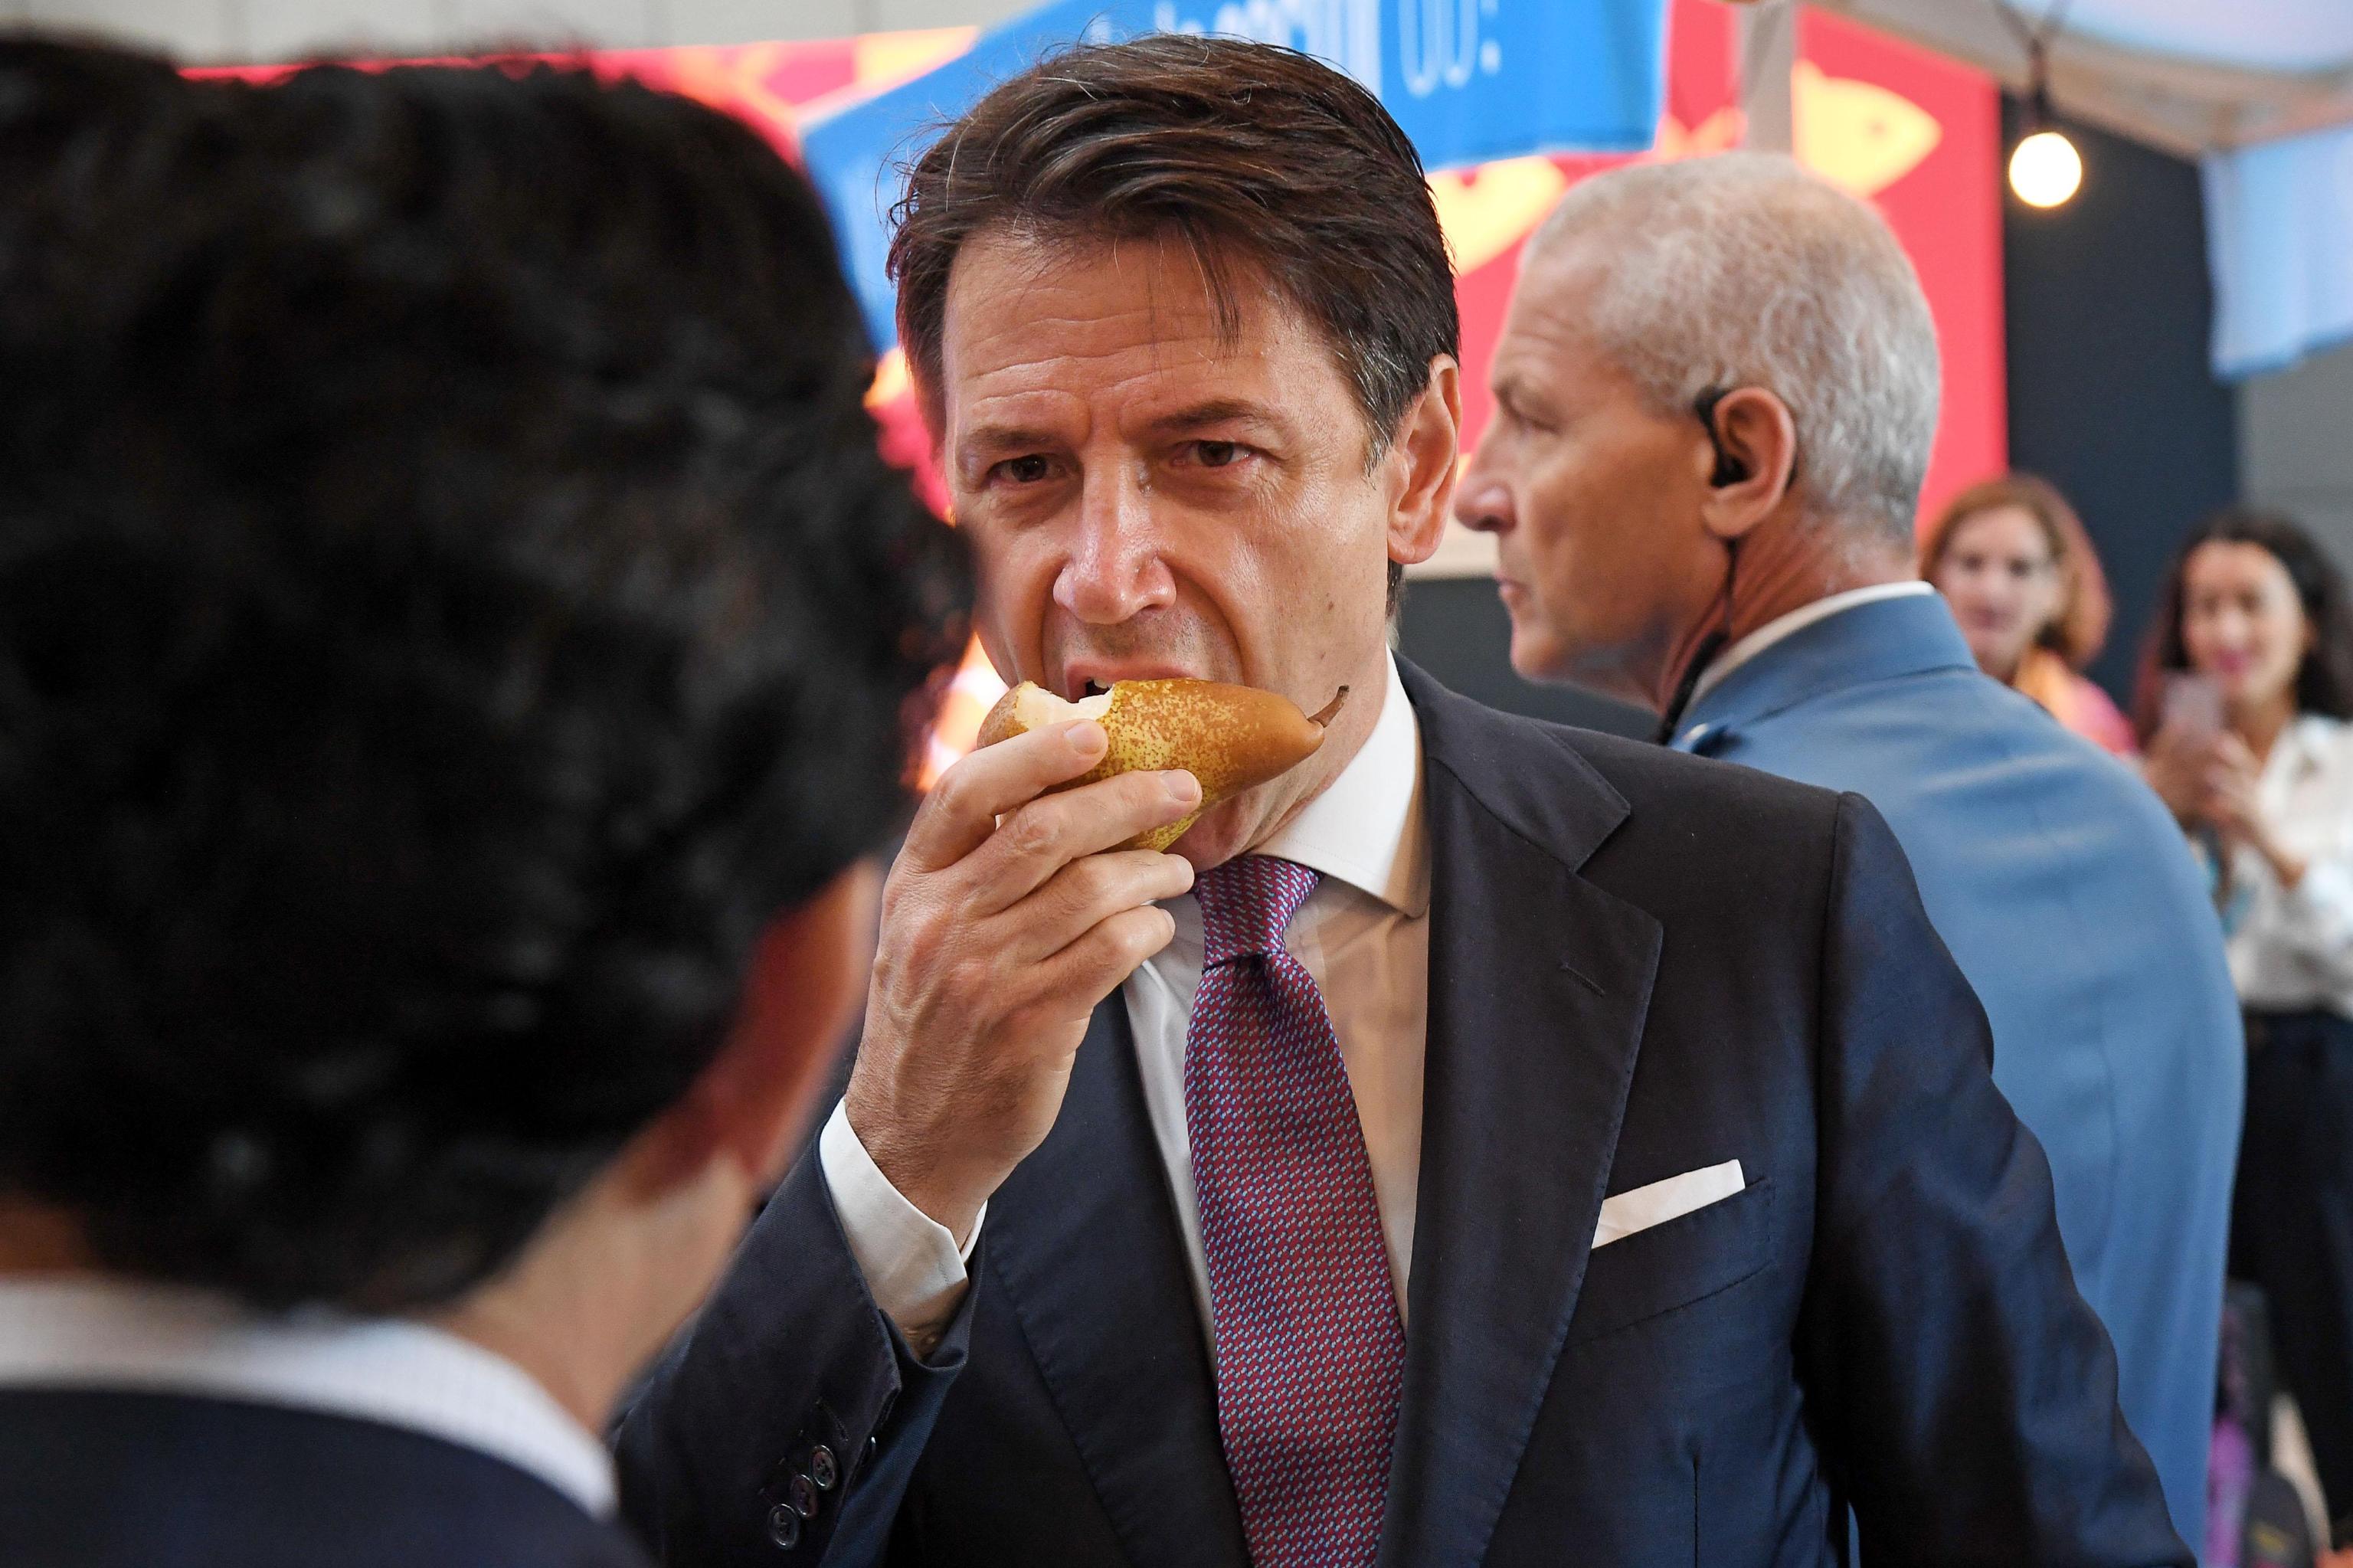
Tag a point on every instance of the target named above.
point(2045, 170)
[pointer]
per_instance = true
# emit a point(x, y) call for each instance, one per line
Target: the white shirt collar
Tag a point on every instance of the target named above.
point(94, 1333)
point(1366, 828)
point(1796, 620)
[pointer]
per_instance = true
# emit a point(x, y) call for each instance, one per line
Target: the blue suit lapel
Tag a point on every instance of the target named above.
point(1083, 1238)
point(1539, 982)
point(1882, 640)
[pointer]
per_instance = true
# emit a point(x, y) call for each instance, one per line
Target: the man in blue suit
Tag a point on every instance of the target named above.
point(1716, 392)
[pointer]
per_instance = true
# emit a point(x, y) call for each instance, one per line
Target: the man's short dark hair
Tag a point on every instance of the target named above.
point(1247, 154)
point(450, 603)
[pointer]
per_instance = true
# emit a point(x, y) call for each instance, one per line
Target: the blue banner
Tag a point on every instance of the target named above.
point(1470, 80)
point(2279, 238)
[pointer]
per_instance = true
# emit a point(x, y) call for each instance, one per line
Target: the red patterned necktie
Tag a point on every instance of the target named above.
point(1310, 1348)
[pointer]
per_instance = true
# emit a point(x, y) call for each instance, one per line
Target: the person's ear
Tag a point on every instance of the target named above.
point(1424, 457)
point(751, 1104)
point(1751, 461)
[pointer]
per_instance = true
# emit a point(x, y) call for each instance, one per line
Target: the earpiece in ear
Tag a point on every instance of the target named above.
point(1729, 470)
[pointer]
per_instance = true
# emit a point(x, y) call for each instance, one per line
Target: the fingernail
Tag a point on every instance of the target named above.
point(1182, 787)
point(1087, 737)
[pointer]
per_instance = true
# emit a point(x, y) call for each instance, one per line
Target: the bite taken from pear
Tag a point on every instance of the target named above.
point(1231, 738)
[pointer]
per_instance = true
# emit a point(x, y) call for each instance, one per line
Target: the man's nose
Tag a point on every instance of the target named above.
point(1114, 571)
point(1482, 502)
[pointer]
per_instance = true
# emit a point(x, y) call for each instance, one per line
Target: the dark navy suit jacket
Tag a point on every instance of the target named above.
point(93, 1478)
point(2071, 902)
point(1641, 965)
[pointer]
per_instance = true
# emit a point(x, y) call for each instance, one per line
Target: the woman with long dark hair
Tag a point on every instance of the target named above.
point(2243, 699)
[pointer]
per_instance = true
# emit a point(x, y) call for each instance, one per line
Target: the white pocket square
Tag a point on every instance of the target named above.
point(1672, 1199)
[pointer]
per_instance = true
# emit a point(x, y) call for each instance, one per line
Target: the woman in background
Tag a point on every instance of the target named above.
point(2012, 559)
point(2244, 696)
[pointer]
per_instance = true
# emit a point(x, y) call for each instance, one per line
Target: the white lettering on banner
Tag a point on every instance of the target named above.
point(1347, 33)
point(1438, 41)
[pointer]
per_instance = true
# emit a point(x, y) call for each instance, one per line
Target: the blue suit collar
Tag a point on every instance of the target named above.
point(1877, 642)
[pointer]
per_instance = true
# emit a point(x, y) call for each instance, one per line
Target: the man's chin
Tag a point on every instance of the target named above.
point(1545, 661)
point(1536, 657)
point(1226, 830)
point(1211, 842)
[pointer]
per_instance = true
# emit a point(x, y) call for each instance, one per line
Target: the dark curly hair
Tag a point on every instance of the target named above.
point(450, 602)
point(2323, 682)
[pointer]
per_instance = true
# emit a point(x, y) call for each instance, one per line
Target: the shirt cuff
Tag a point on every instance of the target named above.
point(913, 1268)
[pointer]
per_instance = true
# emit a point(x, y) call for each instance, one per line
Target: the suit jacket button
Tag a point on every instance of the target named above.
point(824, 1469)
point(801, 1493)
point(784, 1527)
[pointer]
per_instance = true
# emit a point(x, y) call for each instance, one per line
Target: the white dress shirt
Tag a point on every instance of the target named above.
point(1362, 934)
point(1796, 620)
point(86, 1332)
point(2292, 949)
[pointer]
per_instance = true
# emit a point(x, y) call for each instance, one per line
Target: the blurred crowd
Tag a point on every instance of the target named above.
point(2238, 723)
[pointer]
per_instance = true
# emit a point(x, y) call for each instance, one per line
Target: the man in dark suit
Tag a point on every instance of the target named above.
point(1487, 1142)
point(451, 605)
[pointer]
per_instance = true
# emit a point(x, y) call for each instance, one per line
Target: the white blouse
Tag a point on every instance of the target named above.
point(2292, 949)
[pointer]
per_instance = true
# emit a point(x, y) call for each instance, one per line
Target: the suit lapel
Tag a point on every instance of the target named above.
point(1539, 982)
point(1083, 1240)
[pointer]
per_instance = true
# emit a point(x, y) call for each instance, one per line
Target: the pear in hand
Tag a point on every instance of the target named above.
point(1231, 738)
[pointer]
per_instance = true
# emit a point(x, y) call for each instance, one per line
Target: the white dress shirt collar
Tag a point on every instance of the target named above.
point(1796, 620)
point(1366, 827)
point(114, 1334)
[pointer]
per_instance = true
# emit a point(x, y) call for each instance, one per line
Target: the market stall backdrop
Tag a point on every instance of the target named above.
point(2260, 94)
point(1913, 132)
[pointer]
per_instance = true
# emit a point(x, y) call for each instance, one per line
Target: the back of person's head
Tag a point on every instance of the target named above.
point(450, 603)
point(2080, 629)
point(2324, 679)
point(1744, 270)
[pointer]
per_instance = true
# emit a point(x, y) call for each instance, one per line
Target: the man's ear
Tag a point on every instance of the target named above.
point(1428, 443)
point(751, 1104)
point(1751, 463)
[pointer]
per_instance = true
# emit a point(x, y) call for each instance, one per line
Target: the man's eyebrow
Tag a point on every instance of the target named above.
point(983, 439)
point(1515, 396)
point(1214, 411)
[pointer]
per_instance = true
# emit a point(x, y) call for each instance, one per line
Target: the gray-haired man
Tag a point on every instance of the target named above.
point(1716, 393)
